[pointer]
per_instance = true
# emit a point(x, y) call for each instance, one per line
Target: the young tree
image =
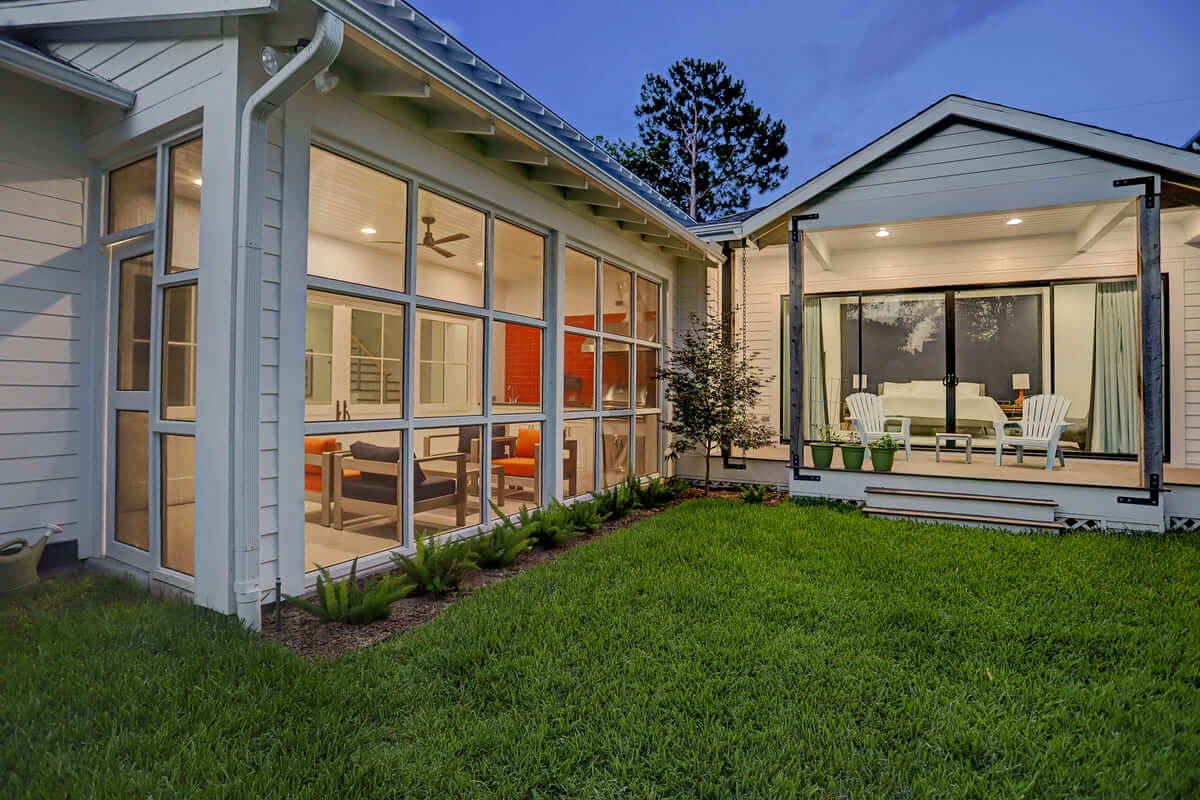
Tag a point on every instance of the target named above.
point(701, 143)
point(712, 388)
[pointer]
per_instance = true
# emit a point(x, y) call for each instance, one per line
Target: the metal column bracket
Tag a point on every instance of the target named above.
point(1147, 181)
point(1154, 490)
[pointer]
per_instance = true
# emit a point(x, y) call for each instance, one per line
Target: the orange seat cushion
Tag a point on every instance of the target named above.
point(315, 445)
point(527, 440)
point(520, 467)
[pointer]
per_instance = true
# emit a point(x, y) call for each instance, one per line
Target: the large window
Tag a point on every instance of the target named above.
point(450, 351)
point(151, 435)
point(601, 394)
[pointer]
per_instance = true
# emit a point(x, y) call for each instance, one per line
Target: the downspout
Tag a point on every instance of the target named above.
point(247, 306)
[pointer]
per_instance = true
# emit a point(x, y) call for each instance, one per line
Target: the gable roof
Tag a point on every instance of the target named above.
point(1100, 141)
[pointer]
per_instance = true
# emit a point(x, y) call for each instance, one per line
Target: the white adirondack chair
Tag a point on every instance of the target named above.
point(1043, 422)
point(866, 412)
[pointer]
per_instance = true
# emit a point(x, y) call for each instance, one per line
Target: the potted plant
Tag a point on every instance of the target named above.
point(822, 449)
point(852, 451)
point(883, 453)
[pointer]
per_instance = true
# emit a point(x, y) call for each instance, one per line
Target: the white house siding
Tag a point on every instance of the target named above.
point(1190, 345)
point(44, 291)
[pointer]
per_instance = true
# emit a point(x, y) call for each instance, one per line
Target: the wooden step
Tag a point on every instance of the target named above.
point(1025, 501)
point(973, 518)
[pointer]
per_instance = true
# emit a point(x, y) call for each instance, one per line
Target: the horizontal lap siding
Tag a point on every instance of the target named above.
point(1191, 351)
point(43, 294)
point(269, 371)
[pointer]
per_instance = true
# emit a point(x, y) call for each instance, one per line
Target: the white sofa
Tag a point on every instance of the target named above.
point(924, 402)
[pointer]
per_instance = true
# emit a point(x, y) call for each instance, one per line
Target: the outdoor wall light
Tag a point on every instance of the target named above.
point(325, 82)
point(273, 60)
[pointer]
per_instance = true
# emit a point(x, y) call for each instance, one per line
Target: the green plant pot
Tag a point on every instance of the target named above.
point(852, 456)
point(822, 455)
point(882, 460)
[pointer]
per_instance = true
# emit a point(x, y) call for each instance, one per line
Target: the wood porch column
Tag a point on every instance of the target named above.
point(796, 334)
point(1150, 292)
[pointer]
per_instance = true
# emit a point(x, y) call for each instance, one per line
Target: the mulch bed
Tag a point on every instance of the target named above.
point(314, 638)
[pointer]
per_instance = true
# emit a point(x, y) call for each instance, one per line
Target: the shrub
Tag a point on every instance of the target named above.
point(823, 502)
point(586, 516)
point(553, 525)
point(345, 601)
point(658, 492)
point(437, 567)
point(616, 501)
point(500, 546)
point(754, 494)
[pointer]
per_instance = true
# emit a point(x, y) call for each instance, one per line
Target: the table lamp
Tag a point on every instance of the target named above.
point(1020, 383)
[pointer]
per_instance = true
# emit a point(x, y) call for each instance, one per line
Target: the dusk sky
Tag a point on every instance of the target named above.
point(840, 75)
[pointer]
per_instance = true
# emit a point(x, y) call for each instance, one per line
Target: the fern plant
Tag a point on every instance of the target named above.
point(500, 546)
point(617, 501)
point(755, 494)
point(554, 525)
point(658, 492)
point(345, 601)
point(437, 567)
point(586, 517)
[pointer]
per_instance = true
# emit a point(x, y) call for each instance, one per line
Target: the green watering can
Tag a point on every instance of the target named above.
point(18, 563)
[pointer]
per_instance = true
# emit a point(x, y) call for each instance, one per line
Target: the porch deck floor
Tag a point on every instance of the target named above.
point(1080, 472)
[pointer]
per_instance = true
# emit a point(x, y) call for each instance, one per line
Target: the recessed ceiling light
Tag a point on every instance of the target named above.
point(479, 263)
point(1014, 221)
point(369, 231)
point(883, 233)
point(198, 182)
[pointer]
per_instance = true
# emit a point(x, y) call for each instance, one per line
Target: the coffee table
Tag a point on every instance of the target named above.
point(947, 438)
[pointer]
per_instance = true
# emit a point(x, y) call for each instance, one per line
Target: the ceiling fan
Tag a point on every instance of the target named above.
point(433, 244)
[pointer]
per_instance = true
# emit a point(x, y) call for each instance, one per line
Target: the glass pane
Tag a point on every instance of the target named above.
point(183, 210)
point(615, 375)
point(1000, 347)
point(179, 353)
point(647, 445)
point(393, 381)
point(366, 380)
point(579, 372)
point(393, 335)
point(519, 266)
point(450, 250)
point(359, 514)
point(133, 324)
point(450, 373)
point(446, 479)
point(618, 293)
point(517, 465)
point(318, 328)
point(1075, 361)
point(904, 358)
point(616, 450)
point(132, 522)
point(179, 503)
point(366, 333)
point(318, 380)
point(832, 369)
point(647, 383)
point(318, 359)
point(579, 457)
point(580, 290)
point(647, 310)
point(357, 222)
point(131, 194)
point(516, 368)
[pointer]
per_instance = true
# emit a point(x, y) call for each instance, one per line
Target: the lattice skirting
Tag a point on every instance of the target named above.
point(1082, 523)
point(1183, 523)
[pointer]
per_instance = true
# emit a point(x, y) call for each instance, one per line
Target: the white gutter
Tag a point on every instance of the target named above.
point(381, 32)
point(39, 66)
point(247, 307)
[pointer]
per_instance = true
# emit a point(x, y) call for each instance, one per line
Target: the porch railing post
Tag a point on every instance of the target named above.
point(1150, 292)
point(796, 343)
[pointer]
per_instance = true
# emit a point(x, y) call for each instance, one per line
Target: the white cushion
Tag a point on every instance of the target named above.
point(971, 390)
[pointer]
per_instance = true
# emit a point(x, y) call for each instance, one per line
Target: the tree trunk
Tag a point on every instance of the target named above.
point(707, 468)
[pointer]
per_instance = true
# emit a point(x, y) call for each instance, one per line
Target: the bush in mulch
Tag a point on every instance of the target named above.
point(314, 637)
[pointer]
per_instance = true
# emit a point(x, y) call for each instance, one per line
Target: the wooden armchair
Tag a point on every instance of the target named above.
point(523, 455)
point(376, 490)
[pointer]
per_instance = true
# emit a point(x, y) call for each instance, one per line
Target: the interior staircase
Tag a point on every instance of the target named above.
point(959, 508)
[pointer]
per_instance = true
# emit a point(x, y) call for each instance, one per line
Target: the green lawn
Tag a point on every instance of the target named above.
point(717, 650)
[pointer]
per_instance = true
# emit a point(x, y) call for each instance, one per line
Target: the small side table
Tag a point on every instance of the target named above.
point(946, 438)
